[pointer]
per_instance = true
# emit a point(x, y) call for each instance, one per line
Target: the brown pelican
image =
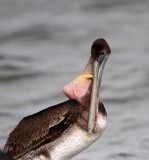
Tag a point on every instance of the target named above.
point(62, 131)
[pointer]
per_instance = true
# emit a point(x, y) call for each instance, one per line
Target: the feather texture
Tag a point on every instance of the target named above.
point(43, 127)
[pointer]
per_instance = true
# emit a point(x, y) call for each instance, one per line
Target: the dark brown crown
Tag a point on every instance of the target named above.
point(99, 46)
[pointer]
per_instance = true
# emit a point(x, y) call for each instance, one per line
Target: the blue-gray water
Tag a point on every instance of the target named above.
point(45, 44)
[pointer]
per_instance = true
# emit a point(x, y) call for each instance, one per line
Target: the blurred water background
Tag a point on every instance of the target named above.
point(45, 44)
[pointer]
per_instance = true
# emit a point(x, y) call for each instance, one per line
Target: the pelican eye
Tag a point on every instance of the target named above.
point(102, 53)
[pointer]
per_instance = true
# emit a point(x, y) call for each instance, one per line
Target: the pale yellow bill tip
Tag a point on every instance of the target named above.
point(90, 131)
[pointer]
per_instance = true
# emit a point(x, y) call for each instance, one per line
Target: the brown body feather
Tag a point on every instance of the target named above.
point(41, 128)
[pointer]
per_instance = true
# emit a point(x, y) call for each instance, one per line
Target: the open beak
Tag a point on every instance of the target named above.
point(98, 67)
